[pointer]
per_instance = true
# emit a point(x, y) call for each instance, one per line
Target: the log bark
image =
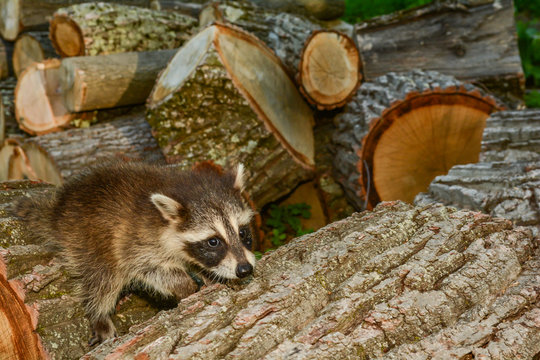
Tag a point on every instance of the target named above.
point(105, 28)
point(5, 56)
point(330, 69)
point(506, 182)
point(321, 9)
point(31, 47)
point(57, 156)
point(19, 15)
point(402, 130)
point(107, 81)
point(7, 91)
point(453, 40)
point(397, 283)
point(44, 285)
point(226, 97)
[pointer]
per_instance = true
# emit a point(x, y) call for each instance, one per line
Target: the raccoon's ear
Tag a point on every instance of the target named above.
point(239, 178)
point(169, 208)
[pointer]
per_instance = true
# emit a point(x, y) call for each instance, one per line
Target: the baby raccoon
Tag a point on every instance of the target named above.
point(134, 222)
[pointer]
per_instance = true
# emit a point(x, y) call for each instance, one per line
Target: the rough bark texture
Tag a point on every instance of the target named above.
point(31, 47)
point(7, 90)
point(400, 282)
point(506, 182)
point(204, 115)
point(107, 81)
point(283, 32)
point(18, 15)
point(4, 59)
point(105, 28)
point(57, 156)
point(370, 104)
point(46, 287)
point(449, 37)
point(321, 9)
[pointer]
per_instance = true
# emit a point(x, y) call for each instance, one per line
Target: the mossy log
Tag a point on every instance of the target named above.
point(226, 97)
point(397, 283)
point(506, 182)
point(106, 28)
point(42, 283)
point(449, 37)
point(31, 47)
point(402, 130)
point(57, 156)
point(19, 15)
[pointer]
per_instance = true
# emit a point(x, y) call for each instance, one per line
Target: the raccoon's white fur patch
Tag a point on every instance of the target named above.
point(226, 268)
point(250, 257)
point(167, 207)
point(239, 178)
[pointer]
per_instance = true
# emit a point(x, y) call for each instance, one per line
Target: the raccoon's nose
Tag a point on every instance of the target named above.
point(243, 270)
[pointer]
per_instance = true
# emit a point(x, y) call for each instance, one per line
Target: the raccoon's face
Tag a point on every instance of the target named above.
point(214, 232)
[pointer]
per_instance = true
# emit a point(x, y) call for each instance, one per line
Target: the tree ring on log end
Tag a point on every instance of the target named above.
point(419, 138)
point(257, 74)
point(37, 113)
point(329, 69)
point(28, 51)
point(66, 36)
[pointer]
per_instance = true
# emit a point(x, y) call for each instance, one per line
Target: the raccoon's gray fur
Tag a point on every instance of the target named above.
point(127, 222)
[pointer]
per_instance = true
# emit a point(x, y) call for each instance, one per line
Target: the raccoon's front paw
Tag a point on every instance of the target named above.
point(102, 330)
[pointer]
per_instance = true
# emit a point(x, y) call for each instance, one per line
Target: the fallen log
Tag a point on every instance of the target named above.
point(7, 90)
point(106, 28)
point(29, 48)
point(506, 182)
point(329, 72)
point(73, 86)
point(453, 40)
point(226, 97)
point(28, 15)
point(41, 294)
point(397, 283)
point(57, 156)
point(402, 130)
point(321, 9)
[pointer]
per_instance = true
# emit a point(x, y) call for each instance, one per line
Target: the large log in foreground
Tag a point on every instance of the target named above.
point(458, 42)
point(226, 97)
point(105, 28)
point(41, 293)
point(397, 283)
point(402, 130)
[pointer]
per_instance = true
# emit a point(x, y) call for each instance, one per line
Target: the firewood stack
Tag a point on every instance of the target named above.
point(282, 87)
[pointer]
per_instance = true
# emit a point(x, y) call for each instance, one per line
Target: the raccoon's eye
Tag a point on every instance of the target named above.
point(213, 242)
point(245, 235)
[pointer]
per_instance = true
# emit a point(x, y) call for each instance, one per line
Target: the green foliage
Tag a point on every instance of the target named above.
point(529, 48)
point(532, 7)
point(285, 221)
point(359, 10)
point(532, 99)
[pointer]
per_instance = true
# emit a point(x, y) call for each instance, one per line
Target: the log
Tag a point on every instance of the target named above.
point(19, 15)
point(106, 28)
point(29, 48)
point(226, 97)
point(188, 8)
point(57, 156)
point(452, 40)
point(397, 283)
point(47, 311)
point(506, 182)
point(73, 86)
point(402, 130)
point(330, 69)
point(321, 9)
point(107, 81)
point(7, 90)
point(5, 56)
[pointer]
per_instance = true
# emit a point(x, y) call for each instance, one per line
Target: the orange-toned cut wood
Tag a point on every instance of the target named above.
point(419, 138)
point(329, 70)
point(66, 36)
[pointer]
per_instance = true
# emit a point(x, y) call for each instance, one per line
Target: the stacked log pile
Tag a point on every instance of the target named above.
point(397, 282)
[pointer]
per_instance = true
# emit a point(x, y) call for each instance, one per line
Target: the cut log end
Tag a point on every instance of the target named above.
point(35, 113)
point(419, 138)
point(263, 89)
point(329, 69)
point(9, 19)
point(26, 51)
point(66, 36)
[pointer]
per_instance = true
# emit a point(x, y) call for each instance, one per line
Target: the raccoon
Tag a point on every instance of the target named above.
point(123, 223)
